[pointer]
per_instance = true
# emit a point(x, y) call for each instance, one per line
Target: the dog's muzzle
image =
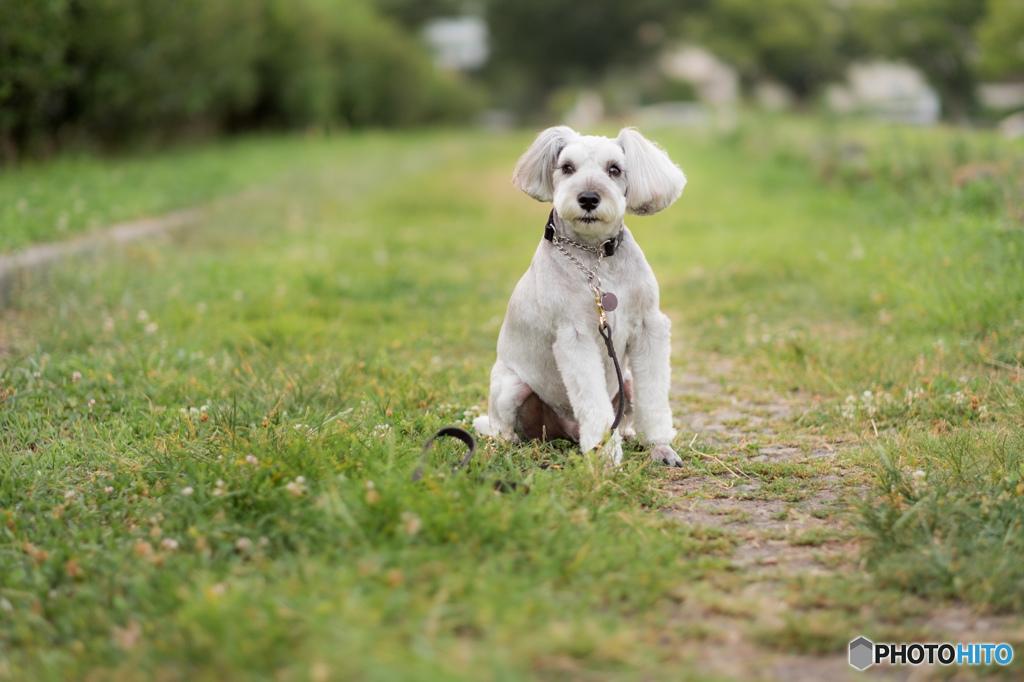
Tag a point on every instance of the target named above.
point(588, 201)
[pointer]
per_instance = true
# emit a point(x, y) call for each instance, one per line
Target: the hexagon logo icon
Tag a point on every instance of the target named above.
point(861, 653)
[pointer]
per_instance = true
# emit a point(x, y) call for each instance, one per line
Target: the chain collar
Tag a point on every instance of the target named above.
point(602, 300)
point(606, 248)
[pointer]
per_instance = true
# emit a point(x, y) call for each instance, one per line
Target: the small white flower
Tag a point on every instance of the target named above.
point(411, 523)
point(382, 430)
point(69, 494)
point(183, 411)
point(37, 374)
point(108, 489)
point(296, 487)
point(76, 377)
point(204, 408)
point(169, 544)
point(243, 543)
point(151, 328)
point(193, 410)
point(919, 479)
point(251, 459)
point(187, 491)
point(143, 316)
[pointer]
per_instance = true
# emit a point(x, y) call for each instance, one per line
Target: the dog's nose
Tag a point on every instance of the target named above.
point(588, 200)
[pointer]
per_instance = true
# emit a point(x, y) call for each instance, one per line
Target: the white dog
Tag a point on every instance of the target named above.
point(553, 377)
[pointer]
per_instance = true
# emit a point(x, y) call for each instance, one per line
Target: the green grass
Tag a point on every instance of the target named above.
point(42, 202)
point(206, 441)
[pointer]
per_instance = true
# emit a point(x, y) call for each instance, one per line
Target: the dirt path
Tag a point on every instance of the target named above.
point(787, 493)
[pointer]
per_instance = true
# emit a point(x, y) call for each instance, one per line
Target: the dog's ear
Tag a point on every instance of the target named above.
point(653, 182)
point(536, 166)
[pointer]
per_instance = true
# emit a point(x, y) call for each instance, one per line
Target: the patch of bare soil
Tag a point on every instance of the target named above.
point(787, 529)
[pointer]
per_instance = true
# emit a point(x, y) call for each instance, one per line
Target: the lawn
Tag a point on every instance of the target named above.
point(206, 440)
point(74, 195)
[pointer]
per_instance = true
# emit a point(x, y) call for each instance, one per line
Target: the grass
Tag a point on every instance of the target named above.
point(206, 442)
point(60, 199)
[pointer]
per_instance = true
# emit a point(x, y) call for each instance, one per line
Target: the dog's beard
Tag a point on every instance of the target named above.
point(604, 221)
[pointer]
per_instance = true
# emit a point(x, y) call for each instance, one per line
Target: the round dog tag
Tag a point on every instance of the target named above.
point(608, 301)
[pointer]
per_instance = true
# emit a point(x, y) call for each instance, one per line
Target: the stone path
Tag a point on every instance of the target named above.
point(784, 534)
point(41, 255)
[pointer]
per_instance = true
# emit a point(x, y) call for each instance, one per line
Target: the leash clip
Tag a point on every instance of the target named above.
point(598, 296)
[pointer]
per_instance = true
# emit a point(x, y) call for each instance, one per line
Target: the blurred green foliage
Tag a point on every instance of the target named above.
point(109, 71)
point(1001, 38)
point(539, 46)
point(796, 42)
point(936, 36)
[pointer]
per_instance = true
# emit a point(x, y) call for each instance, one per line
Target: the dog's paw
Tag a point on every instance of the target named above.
point(611, 450)
point(482, 425)
point(614, 452)
point(663, 452)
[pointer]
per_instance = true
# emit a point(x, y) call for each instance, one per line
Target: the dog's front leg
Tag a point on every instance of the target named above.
point(650, 356)
point(581, 366)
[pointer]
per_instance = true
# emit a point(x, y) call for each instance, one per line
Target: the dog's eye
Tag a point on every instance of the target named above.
point(568, 169)
point(614, 171)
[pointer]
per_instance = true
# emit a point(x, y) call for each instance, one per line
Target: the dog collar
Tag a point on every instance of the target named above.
point(608, 247)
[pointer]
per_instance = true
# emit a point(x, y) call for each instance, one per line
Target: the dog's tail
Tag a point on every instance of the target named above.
point(482, 425)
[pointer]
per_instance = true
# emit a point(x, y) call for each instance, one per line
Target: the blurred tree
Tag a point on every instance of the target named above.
point(151, 66)
point(798, 43)
point(936, 36)
point(123, 70)
point(540, 45)
point(33, 71)
point(1001, 40)
point(412, 14)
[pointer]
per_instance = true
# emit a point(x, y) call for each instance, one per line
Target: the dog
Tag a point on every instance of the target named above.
point(553, 377)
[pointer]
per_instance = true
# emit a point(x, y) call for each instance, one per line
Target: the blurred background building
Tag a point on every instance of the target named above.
point(106, 74)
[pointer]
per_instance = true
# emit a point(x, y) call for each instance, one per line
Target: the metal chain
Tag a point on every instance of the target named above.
point(591, 273)
point(582, 247)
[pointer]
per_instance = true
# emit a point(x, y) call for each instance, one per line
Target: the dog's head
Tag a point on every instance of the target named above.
point(594, 181)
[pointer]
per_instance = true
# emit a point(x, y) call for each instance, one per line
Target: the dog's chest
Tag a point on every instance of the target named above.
point(630, 304)
point(620, 277)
